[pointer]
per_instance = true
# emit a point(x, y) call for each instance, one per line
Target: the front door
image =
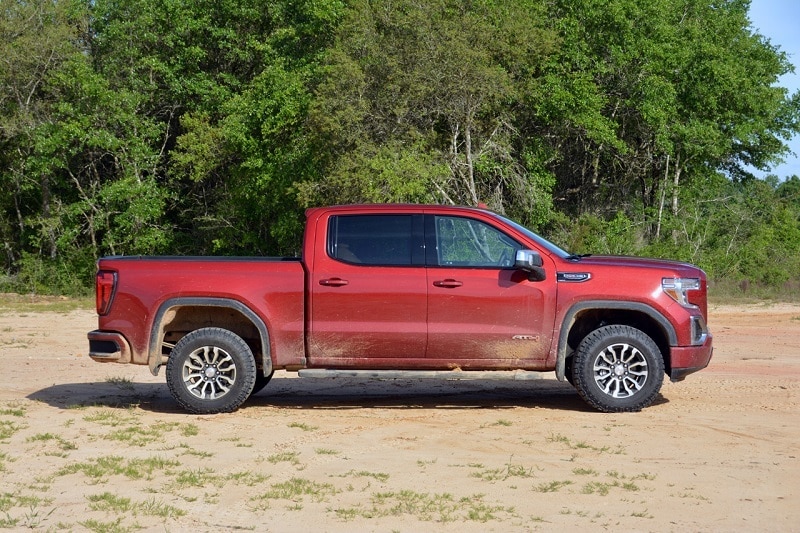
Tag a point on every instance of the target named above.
point(482, 313)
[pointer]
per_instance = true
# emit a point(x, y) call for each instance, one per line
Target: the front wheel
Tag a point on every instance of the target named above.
point(618, 369)
point(211, 370)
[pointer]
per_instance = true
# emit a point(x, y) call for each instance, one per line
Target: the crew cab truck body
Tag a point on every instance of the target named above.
point(404, 290)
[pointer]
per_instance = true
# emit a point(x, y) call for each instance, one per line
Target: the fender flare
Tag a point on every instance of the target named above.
point(569, 320)
point(155, 360)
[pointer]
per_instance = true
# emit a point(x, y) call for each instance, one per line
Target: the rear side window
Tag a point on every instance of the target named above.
point(386, 240)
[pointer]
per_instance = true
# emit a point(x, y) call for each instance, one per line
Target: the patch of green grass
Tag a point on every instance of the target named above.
point(583, 445)
point(559, 438)
point(153, 507)
point(295, 490)
point(108, 527)
point(380, 476)
point(553, 486)
point(427, 507)
point(8, 428)
point(12, 410)
point(508, 471)
point(31, 518)
point(188, 450)
point(196, 478)
point(284, 457)
point(103, 467)
point(111, 417)
point(326, 451)
point(111, 503)
point(247, 478)
point(304, 427)
point(692, 496)
point(61, 442)
point(502, 422)
point(137, 435)
point(603, 488)
point(189, 430)
point(236, 442)
point(585, 472)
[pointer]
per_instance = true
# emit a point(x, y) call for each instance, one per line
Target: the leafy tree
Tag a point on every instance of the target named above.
point(417, 105)
point(650, 94)
point(230, 81)
point(206, 127)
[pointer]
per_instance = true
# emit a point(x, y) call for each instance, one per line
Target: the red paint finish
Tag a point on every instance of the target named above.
point(405, 287)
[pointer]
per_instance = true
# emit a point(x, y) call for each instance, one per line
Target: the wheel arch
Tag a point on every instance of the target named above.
point(177, 317)
point(584, 317)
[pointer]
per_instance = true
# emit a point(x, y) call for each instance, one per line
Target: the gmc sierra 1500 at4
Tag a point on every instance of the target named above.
point(387, 291)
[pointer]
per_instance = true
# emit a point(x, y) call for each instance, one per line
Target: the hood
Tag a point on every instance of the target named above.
point(636, 262)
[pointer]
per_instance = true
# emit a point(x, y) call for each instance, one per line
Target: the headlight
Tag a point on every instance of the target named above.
point(678, 289)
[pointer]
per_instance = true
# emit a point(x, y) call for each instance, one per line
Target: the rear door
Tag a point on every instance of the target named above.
point(368, 292)
point(481, 311)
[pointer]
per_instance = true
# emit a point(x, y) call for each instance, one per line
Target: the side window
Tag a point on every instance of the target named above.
point(471, 243)
point(371, 239)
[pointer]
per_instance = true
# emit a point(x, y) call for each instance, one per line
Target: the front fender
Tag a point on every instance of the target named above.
point(571, 316)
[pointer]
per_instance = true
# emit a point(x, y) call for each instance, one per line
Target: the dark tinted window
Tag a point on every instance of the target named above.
point(372, 239)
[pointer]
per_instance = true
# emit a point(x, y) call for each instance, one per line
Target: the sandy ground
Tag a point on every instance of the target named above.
point(90, 446)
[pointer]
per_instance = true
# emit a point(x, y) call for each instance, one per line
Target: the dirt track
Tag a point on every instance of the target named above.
point(89, 446)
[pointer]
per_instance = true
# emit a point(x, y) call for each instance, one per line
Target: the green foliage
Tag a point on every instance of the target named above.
point(416, 105)
point(177, 127)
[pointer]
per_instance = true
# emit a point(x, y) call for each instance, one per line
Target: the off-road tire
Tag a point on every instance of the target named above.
point(618, 369)
point(211, 370)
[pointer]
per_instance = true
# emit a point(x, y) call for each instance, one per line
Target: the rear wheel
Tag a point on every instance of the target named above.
point(211, 370)
point(618, 369)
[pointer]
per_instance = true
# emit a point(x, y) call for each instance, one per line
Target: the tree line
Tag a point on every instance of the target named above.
point(207, 126)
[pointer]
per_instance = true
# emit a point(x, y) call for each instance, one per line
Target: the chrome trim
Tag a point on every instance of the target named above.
point(699, 331)
point(573, 277)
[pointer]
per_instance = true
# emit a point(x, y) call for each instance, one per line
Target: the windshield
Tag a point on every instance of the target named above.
point(541, 241)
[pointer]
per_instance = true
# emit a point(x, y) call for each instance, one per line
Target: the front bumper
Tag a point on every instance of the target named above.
point(109, 347)
point(685, 360)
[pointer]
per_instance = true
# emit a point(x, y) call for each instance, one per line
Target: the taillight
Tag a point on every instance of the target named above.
point(105, 283)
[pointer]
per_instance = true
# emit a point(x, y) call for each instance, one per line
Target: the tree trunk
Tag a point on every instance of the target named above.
point(46, 217)
point(663, 198)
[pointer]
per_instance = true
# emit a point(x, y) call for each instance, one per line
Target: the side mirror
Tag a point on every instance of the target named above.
point(531, 262)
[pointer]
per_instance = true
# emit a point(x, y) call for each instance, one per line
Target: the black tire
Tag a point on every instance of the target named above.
point(618, 369)
point(211, 370)
point(261, 381)
point(568, 370)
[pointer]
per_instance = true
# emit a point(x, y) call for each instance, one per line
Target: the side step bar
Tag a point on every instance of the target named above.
point(521, 375)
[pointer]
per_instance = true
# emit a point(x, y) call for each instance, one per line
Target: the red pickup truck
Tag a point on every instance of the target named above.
point(402, 291)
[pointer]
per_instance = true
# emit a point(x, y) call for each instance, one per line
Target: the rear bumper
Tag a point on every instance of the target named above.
point(685, 360)
point(109, 347)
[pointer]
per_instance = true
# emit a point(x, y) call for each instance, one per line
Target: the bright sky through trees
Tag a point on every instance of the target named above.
point(777, 20)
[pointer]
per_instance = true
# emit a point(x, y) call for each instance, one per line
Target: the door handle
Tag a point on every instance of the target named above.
point(448, 283)
point(333, 282)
